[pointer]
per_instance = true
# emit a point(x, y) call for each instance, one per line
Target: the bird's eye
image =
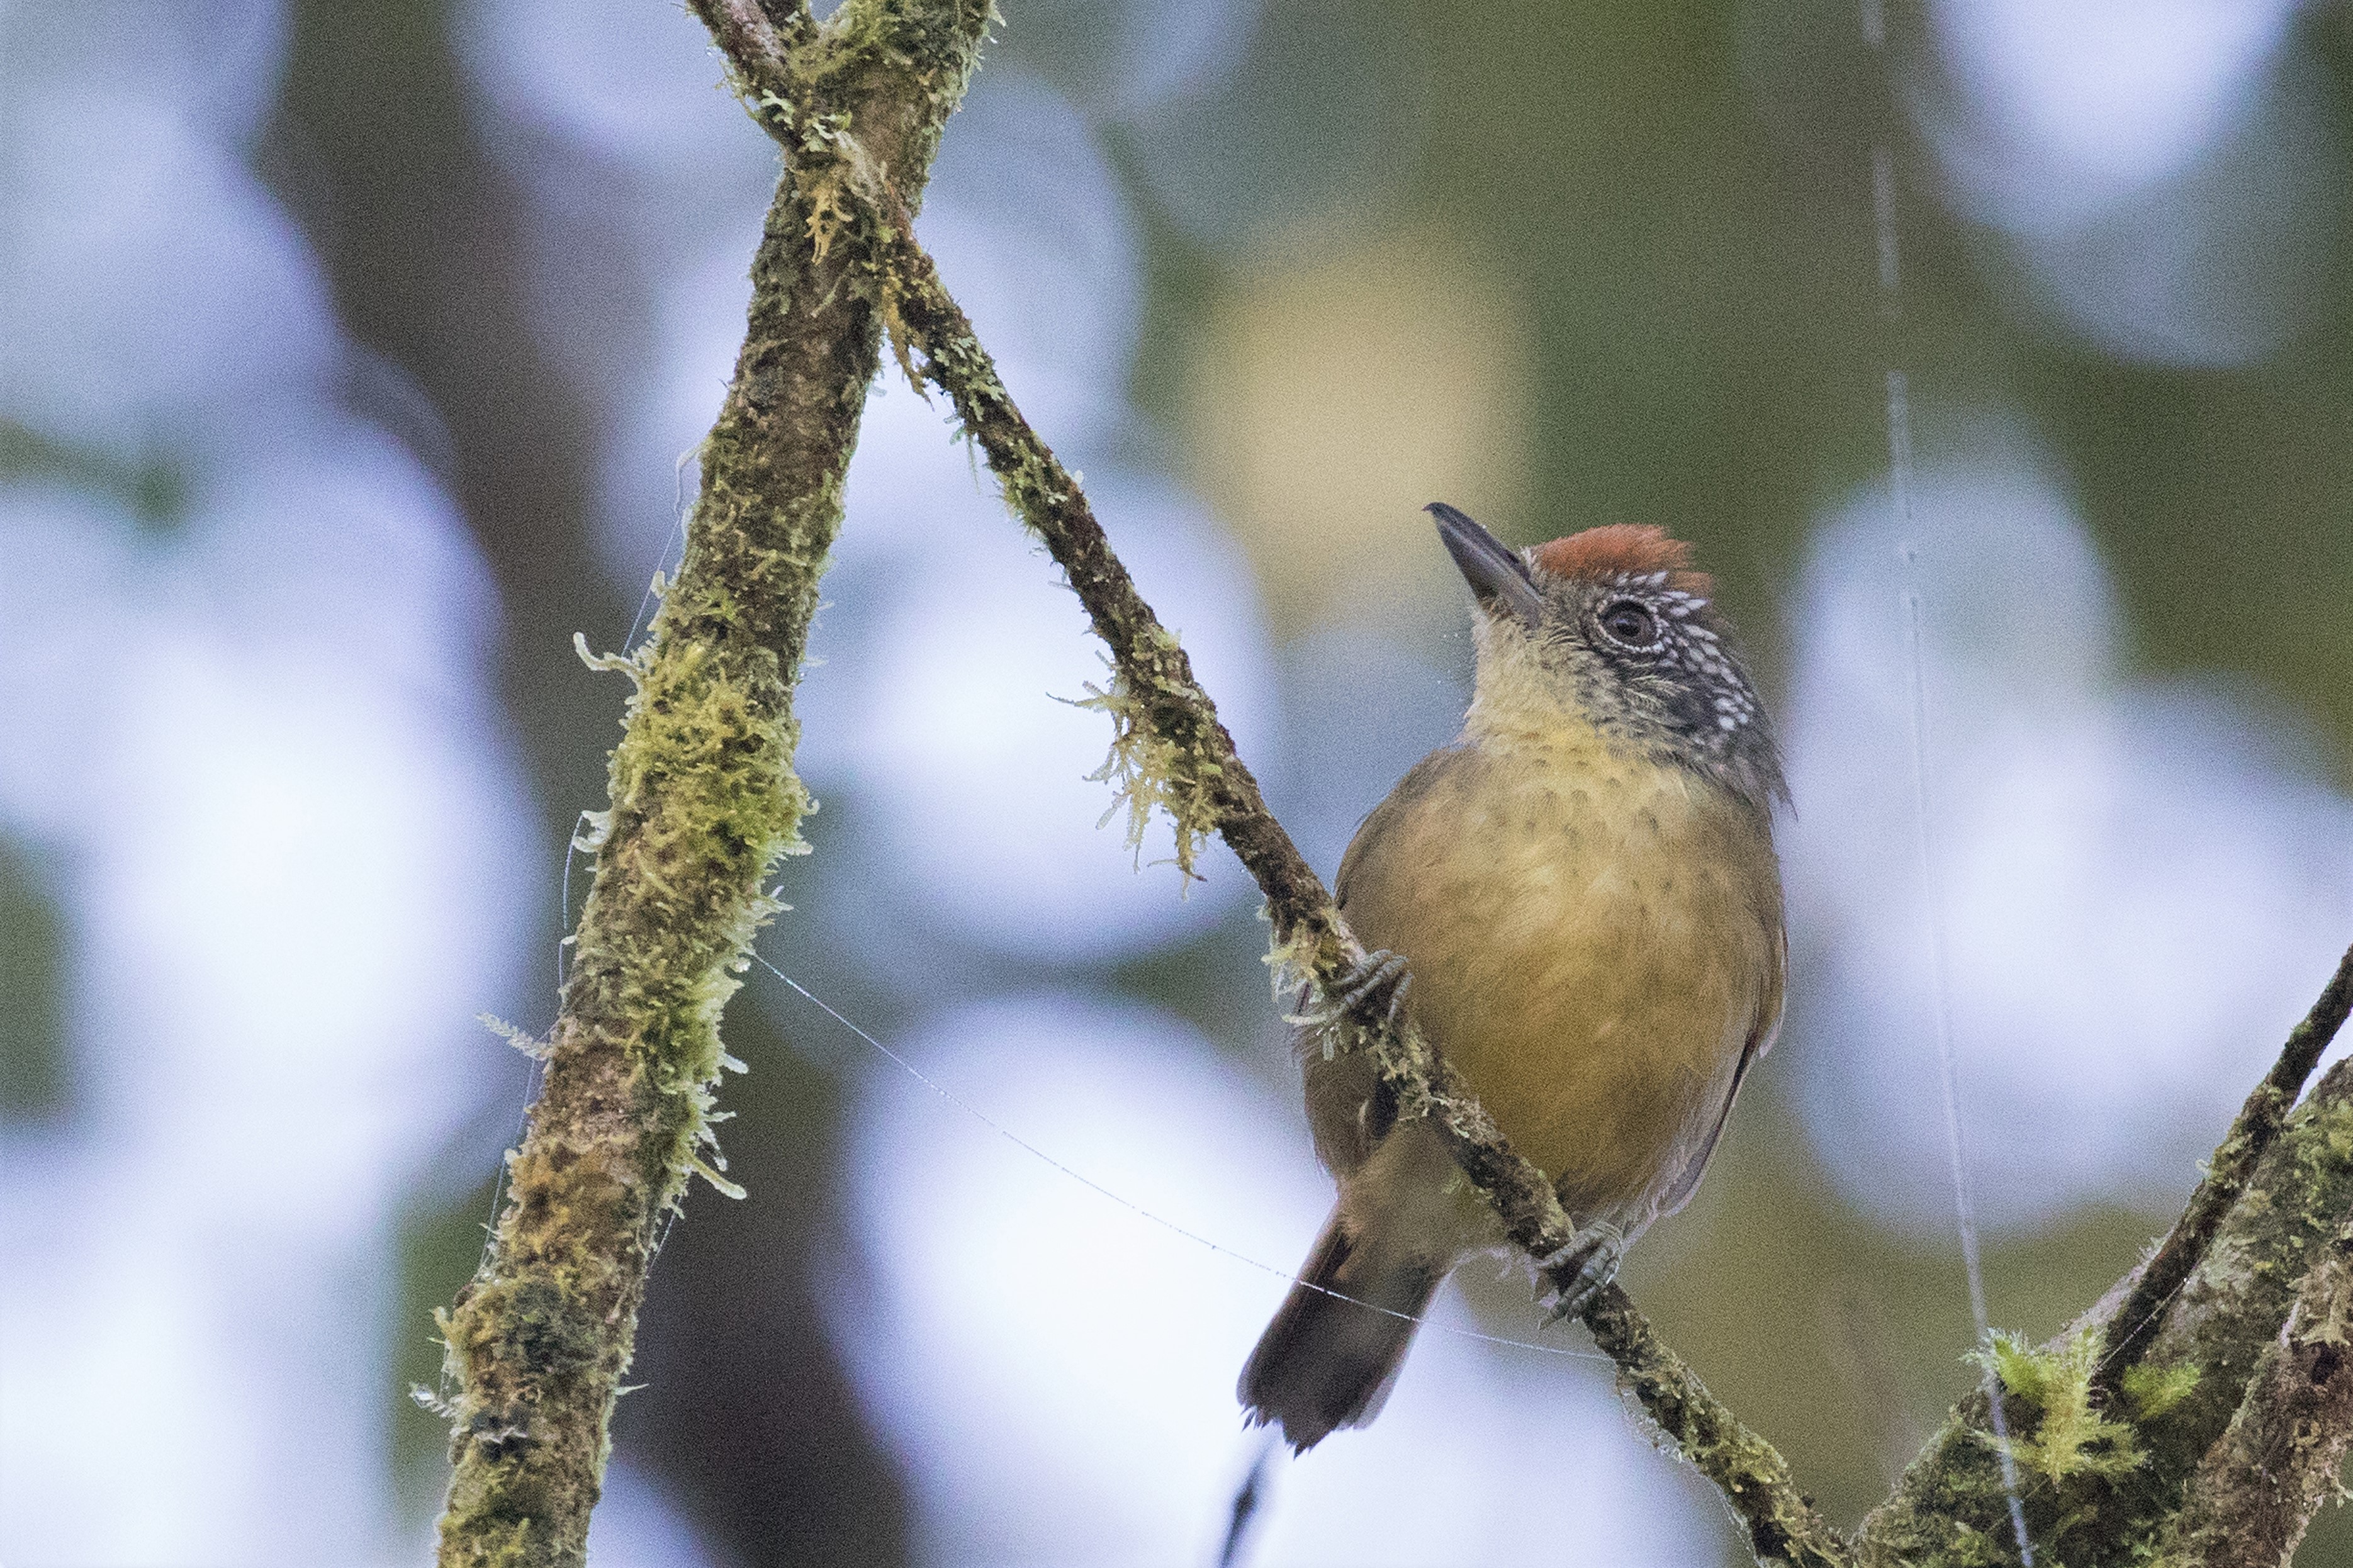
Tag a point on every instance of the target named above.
point(1629, 621)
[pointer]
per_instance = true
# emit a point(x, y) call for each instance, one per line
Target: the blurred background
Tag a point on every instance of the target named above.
point(352, 359)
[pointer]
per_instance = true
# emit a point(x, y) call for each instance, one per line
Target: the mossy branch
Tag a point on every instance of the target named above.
point(2279, 1461)
point(2114, 1479)
point(703, 799)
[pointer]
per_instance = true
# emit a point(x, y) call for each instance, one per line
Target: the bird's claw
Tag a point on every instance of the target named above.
point(1580, 1270)
point(1376, 986)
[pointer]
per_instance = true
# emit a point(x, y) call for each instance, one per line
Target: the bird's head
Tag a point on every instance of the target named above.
point(1613, 627)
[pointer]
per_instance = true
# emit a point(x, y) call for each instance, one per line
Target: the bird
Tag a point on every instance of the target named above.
point(1579, 903)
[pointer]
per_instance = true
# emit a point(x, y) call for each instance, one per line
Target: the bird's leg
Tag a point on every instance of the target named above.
point(1376, 987)
point(1588, 1262)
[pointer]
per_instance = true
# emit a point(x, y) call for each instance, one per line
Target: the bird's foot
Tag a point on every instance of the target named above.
point(1578, 1271)
point(1374, 989)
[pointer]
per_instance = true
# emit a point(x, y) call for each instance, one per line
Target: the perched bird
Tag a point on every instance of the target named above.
point(1577, 902)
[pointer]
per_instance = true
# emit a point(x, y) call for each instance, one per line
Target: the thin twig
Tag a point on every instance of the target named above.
point(2259, 1122)
point(1250, 1500)
point(1209, 786)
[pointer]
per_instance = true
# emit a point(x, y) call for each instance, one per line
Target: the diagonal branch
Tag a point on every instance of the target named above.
point(1166, 717)
point(753, 39)
point(1782, 1524)
point(703, 800)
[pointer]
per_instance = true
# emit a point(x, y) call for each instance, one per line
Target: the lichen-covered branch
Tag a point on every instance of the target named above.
point(2106, 1480)
point(2256, 1490)
point(1206, 787)
point(2259, 1121)
point(703, 800)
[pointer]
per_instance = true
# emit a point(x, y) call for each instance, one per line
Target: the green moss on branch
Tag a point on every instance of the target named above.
point(1149, 773)
point(2198, 1368)
point(2280, 1458)
point(704, 801)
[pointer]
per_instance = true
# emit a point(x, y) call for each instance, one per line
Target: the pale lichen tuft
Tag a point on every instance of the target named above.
point(520, 1039)
point(1150, 773)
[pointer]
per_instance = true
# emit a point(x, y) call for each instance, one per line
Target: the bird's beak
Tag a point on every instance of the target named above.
point(1496, 574)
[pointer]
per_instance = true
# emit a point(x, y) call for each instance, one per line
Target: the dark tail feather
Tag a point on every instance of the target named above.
point(1324, 1362)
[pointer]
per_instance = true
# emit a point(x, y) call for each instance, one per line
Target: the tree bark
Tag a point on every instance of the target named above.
point(702, 802)
point(2258, 1488)
point(2117, 1497)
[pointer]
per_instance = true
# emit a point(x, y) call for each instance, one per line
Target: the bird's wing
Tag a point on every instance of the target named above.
point(1776, 983)
point(1343, 1107)
point(1762, 1031)
point(1403, 797)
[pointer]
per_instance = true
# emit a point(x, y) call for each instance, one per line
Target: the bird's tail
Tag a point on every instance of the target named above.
point(1332, 1354)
